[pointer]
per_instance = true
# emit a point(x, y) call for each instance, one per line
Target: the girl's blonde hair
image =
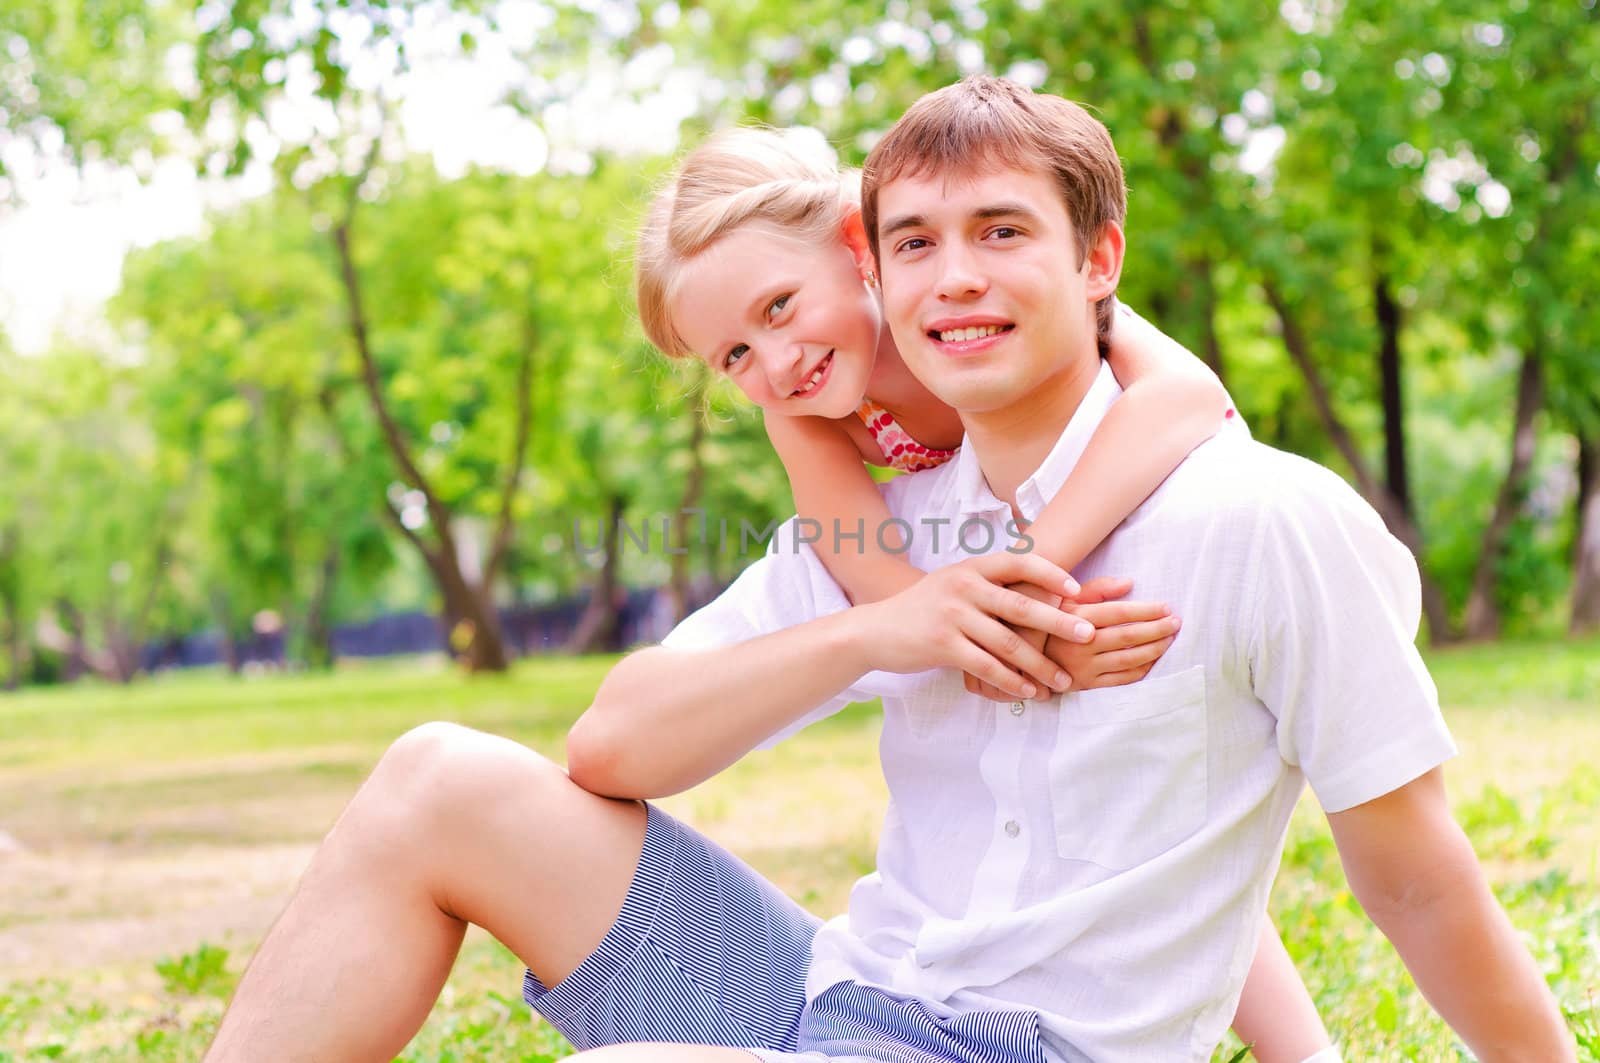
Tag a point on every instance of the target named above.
point(740, 175)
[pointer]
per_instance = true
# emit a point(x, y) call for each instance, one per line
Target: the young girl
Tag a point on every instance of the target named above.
point(754, 259)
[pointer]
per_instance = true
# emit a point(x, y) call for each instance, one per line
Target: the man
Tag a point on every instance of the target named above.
point(1076, 879)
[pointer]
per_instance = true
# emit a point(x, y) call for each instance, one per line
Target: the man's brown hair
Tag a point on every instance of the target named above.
point(982, 124)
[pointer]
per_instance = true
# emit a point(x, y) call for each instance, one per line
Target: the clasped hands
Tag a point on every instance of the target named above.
point(1019, 626)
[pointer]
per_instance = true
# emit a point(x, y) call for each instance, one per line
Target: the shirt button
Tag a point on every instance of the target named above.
point(1016, 708)
point(1013, 828)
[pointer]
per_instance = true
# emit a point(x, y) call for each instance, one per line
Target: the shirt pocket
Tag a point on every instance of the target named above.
point(1128, 772)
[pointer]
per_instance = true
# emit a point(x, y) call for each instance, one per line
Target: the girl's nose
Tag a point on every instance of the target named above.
point(784, 363)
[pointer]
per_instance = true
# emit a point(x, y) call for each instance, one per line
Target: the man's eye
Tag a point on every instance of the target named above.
point(1004, 232)
point(739, 351)
point(777, 306)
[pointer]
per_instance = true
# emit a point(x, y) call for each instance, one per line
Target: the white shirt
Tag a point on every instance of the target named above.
point(1104, 857)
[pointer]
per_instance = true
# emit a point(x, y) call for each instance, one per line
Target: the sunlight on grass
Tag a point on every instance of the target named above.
point(161, 828)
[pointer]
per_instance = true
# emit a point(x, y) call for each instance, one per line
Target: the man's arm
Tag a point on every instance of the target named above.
point(667, 718)
point(1416, 875)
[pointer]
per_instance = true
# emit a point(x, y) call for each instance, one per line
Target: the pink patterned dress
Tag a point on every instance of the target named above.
point(899, 449)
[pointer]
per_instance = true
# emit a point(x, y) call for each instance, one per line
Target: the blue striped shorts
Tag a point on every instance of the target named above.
point(706, 951)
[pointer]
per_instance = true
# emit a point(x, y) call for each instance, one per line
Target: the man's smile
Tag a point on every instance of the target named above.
point(969, 334)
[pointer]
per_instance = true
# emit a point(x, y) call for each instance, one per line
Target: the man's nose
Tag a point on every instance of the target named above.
point(959, 274)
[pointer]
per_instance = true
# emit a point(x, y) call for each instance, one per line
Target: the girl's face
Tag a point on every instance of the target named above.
point(792, 324)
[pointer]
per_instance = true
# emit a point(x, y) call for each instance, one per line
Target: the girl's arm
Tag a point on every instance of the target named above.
point(832, 487)
point(1276, 1016)
point(1171, 403)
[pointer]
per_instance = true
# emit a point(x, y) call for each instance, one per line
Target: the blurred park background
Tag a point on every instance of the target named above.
point(371, 352)
point(316, 345)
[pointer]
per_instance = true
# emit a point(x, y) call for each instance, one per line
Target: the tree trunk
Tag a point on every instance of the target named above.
point(474, 626)
point(487, 651)
point(1394, 515)
point(125, 640)
point(597, 629)
point(470, 624)
point(227, 641)
point(76, 650)
point(1586, 571)
point(678, 589)
point(122, 650)
point(319, 652)
point(1483, 611)
point(14, 641)
point(11, 602)
point(1394, 431)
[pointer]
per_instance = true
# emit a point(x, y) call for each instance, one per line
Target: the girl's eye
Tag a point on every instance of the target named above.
point(739, 351)
point(916, 243)
point(777, 306)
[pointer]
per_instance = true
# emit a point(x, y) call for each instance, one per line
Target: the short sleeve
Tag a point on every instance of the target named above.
point(1333, 653)
point(788, 586)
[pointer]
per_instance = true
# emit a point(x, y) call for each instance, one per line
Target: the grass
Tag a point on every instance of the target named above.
point(162, 827)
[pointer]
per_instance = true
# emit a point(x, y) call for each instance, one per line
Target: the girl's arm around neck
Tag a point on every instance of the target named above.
point(832, 487)
point(1170, 404)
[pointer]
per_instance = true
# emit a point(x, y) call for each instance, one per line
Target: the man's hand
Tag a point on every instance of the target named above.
point(957, 617)
point(1129, 638)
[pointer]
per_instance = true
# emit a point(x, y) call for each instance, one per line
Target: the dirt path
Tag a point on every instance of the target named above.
point(93, 907)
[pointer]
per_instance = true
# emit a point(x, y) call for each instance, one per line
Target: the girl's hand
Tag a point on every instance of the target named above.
point(1129, 638)
point(965, 616)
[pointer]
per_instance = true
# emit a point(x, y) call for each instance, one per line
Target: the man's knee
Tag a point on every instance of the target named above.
point(444, 770)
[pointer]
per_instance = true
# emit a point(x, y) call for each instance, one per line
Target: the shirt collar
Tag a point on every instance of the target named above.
point(970, 491)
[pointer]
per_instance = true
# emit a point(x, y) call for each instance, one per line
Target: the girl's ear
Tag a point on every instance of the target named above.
point(1104, 261)
point(855, 238)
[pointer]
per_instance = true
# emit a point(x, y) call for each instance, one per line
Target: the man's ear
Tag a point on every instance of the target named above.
point(855, 238)
point(1104, 262)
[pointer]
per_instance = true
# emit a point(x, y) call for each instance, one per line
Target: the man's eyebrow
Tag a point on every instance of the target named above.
point(1006, 210)
point(997, 210)
point(901, 223)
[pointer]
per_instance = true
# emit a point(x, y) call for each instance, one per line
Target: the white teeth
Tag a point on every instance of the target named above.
point(959, 335)
point(813, 379)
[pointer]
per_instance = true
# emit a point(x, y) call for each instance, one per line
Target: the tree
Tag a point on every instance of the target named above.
point(101, 559)
point(86, 77)
point(20, 491)
point(1522, 78)
point(464, 338)
point(1586, 553)
point(235, 329)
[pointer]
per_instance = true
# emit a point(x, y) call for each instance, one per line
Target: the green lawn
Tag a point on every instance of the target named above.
point(148, 836)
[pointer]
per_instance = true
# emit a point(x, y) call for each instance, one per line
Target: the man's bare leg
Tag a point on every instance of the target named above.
point(453, 826)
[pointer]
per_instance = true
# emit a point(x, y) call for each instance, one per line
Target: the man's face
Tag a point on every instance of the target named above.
point(982, 286)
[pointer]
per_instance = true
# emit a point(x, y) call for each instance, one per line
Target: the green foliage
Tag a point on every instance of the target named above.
point(87, 75)
point(203, 971)
point(1447, 152)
